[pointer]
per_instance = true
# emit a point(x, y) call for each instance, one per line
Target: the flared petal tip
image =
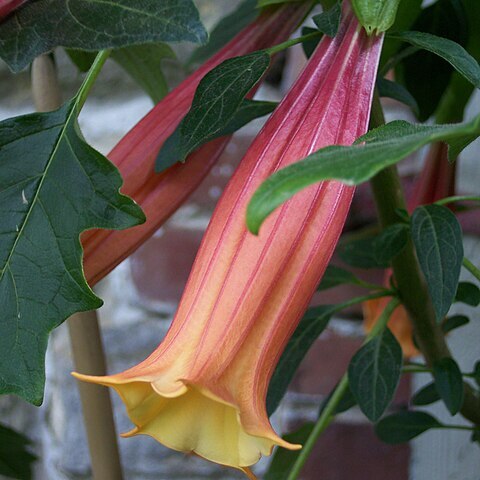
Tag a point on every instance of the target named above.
point(130, 433)
point(92, 378)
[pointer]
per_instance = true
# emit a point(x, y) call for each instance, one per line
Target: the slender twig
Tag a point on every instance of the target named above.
point(84, 328)
point(474, 270)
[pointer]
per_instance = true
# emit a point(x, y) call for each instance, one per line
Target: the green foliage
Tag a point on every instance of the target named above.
point(15, 459)
point(374, 373)
point(437, 236)
point(329, 21)
point(54, 186)
point(456, 321)
point(384, 146)
point(403, 426)
point(376, 16)
point(468, 293)
point(476, 373)
point(449, 383)
point(95, 25)
point(283, 459)
point(426, 395)
point(310, 45)
point(225, 30)
point(389, 89)
point(377, 251)
point(217, 99)
point(424, 73)
point(335, 276)
point(310, 327)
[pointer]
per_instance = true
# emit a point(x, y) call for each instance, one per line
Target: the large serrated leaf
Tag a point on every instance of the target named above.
point(53, 186)
point(95, 25)
point(437, 236)
point(217, 98)
point(310, 327)
point(15, 459)
point(374, 373)
point(383, 146)
point(403, 426)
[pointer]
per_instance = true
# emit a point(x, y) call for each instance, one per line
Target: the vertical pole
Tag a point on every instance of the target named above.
point(84, 330)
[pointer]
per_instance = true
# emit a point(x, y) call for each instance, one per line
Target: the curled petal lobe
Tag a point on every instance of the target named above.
point(204, 388)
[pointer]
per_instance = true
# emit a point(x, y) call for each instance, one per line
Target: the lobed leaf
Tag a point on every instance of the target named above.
point(53, 186)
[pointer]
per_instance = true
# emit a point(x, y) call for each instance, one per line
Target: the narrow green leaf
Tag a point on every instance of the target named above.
point(15, 459)
point(376, 16)
point(389, 89)
point(335, 276)
point(437, 236)
point(329, 21)
point(217, 99)
point(449, 383)
point(374, 373)
point(225, 30)
point(283, 459)
point(144, 64)
point(53, 186)
point(378, 251)
point(468, 293)
point(384, 146)
point(95, 25)
point(403, 426)
point(310, 327)
point(426, 395)
point(450, 51)
point(457, 321)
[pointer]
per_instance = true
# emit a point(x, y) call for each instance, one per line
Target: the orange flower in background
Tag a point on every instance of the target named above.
point(436, 181)
point(203, 389)
point(160, 195)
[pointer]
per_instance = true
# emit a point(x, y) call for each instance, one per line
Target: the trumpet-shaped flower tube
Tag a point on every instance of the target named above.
point(204, 388)
point(8, 6)
point(160, 195)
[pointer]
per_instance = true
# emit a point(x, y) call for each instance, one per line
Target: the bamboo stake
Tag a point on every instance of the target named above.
point(84, 329)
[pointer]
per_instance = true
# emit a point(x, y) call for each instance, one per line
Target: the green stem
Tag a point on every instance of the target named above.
point(290, 43)
point(89, 80)
point(328, 413)
point(458, 198)
point(475, 271)
point(412, 288)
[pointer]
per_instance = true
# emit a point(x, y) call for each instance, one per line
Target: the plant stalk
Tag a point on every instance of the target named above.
point(84, 330)
point(413, 291)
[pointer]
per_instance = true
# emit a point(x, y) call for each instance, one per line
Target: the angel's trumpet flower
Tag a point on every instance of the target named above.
point(204, 388)
point(436, 181)
point(160, 195)
point(8, 6)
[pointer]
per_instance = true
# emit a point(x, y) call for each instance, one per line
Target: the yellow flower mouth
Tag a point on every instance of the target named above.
point(191, 420)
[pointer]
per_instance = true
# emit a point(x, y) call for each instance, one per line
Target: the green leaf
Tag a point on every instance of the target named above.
point(425, 74)
point(437, 237)
point(450, 51)
point(378, 251)
point(15, 459)
point(310, 327)
point(225, 30)
point(346, 402)
point(309, 46)
point(476, 373)
point(376, 16)
point(449, 383)
point(468, 293)
point(283, 459)
point(217, 98)
point(53, 187)
point(374, 373)
point(426, 395)
point(329, 21)
point(389, 89)
point(335, 276)
point(403, 426)
point(81, 59)
point(144, 64)
point(451, 323)
point(384, 146)
point(95, 25)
